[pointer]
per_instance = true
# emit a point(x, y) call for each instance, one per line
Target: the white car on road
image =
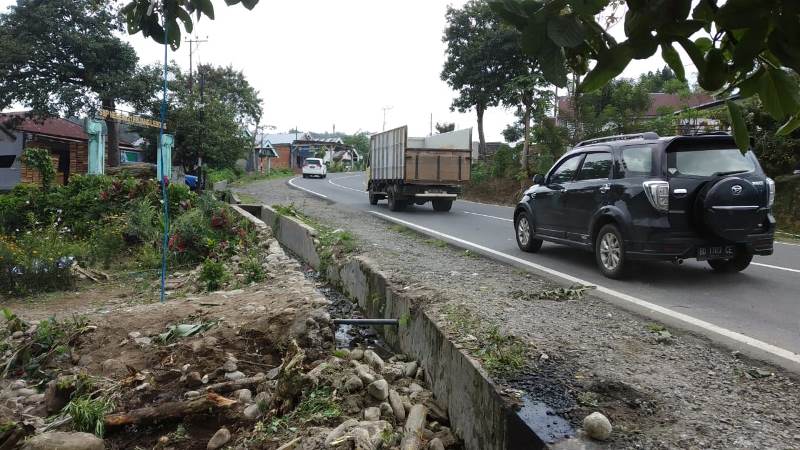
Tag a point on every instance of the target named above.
point(314, 167)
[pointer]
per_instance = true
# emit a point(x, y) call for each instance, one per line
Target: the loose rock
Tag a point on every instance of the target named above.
point(244, 395)
point(378, 389)
point(410, 369)
point(372, 414)
point(353, 384)
point(64, 441)
point(233, 376)
point(397, 405)
point(435, 444)
point(220, 438)
point(375, 361)
point(252, 411)
point(357, 354)
point(597, 426)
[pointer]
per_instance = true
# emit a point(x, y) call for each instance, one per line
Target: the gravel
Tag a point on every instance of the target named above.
point(681, 392)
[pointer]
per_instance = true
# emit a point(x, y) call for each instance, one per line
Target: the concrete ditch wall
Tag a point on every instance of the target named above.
point(477, 412)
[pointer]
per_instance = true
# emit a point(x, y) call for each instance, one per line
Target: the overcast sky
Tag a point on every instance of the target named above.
point(320, 63)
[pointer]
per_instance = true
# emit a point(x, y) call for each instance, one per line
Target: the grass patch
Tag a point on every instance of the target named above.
point(438, 243)
point(402, 229)
point(470, 254)
point(319, 406)
point(339, 353)
point(501, 354)
point(655, 328)
point(559, 294)
point(88, 414)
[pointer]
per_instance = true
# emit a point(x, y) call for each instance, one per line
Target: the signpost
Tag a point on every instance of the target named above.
point(130, 119)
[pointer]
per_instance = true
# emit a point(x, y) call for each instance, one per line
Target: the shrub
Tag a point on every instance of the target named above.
point(253, 270)
point(39, 261)
point(39, 159)
point(142, 224)
point(213, 274)
point(106, 244)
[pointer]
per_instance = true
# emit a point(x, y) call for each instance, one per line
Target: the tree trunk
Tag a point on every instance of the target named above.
point(526, 141)
point(113, 134)
point(480, 109)
point(168, 411)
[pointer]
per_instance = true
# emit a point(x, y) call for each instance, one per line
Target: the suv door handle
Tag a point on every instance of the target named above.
point(605, 188)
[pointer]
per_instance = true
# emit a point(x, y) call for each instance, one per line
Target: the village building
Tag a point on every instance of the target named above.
point(65, 139)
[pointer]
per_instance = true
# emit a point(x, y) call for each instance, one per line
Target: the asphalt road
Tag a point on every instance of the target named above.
point(762, 303)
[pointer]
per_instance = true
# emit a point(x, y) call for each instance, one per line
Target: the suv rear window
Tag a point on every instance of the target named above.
point(637, 161)
point(705, 163)
point(313, 161)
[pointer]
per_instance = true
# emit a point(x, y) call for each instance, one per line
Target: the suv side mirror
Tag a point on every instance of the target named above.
point(538, 179)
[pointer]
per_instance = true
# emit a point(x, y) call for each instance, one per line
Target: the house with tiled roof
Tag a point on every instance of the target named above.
point(660, 103)
point(66, 140)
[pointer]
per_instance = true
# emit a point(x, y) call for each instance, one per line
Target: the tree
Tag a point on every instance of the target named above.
point(217, 127)
point(749, 46)
point(528, 94)
point(149, 17)
point(475, 59)
point(61, 57)
point(359, 141)
point(445, 127)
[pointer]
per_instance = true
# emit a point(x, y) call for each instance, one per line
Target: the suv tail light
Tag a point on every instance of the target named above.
point(658, 194)
point(770, 192)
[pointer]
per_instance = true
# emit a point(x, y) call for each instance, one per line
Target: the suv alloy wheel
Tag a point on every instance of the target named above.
point(524, 233)
point(609, 252)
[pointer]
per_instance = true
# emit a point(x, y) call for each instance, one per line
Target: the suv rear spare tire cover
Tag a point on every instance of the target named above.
point(731, 207)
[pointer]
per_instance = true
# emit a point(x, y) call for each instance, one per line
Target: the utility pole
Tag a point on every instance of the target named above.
point(192, 42)
point(385, 108)
point(431, 133)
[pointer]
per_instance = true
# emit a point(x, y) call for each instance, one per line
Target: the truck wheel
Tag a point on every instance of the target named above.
point(373, 198)
point(736, 264)
point(396, 204)
point(442, 205)
point(609, 251)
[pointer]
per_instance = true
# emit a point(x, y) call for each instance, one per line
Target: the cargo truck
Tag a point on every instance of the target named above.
point(408, 170)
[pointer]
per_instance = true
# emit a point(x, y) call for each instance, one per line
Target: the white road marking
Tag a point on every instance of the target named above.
point(486, 215)
point(345, 187)
point(787, 243)
point(776, 267)
point(291, 182)
point(774, 350)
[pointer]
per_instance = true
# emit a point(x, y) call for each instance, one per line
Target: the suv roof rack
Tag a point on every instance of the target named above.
point(649, 135)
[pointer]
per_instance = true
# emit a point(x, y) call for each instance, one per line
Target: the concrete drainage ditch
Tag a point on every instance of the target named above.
point(478, 412)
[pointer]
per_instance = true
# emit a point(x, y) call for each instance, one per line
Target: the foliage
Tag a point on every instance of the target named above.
point(88, 414)
point(213, 274)
point(360, 141)
point(749, 46)
point(502, 354)
point(227, 173)
point(787, 203)
point(141, 17)
point(318, 406)
point(253, 270)
point(143, 222)
point(777, 154)
point(63, 56)
point(39, 159)
point(33, 353)
point(214, 128)
point(38, 261)
point(477, 56)
point(445, 127)
point(106, 244)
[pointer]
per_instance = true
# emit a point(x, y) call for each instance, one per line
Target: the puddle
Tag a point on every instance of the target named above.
point(544, 421)
point(341, 307)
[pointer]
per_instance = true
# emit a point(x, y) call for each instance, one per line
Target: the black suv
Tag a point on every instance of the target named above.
point(645, 197)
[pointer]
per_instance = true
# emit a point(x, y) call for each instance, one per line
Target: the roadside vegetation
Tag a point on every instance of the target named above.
point(50, 236)
point(239, 177)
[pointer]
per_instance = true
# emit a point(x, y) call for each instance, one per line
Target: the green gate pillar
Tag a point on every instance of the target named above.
point(165, 156)
point(97, 146)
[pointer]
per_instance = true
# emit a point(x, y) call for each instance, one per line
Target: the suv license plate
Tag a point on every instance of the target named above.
point(716, 252)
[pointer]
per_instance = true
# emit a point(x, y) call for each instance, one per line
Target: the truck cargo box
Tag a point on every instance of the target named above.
point(439, 159)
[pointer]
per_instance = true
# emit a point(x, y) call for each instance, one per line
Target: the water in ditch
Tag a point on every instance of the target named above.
point(341, 307)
